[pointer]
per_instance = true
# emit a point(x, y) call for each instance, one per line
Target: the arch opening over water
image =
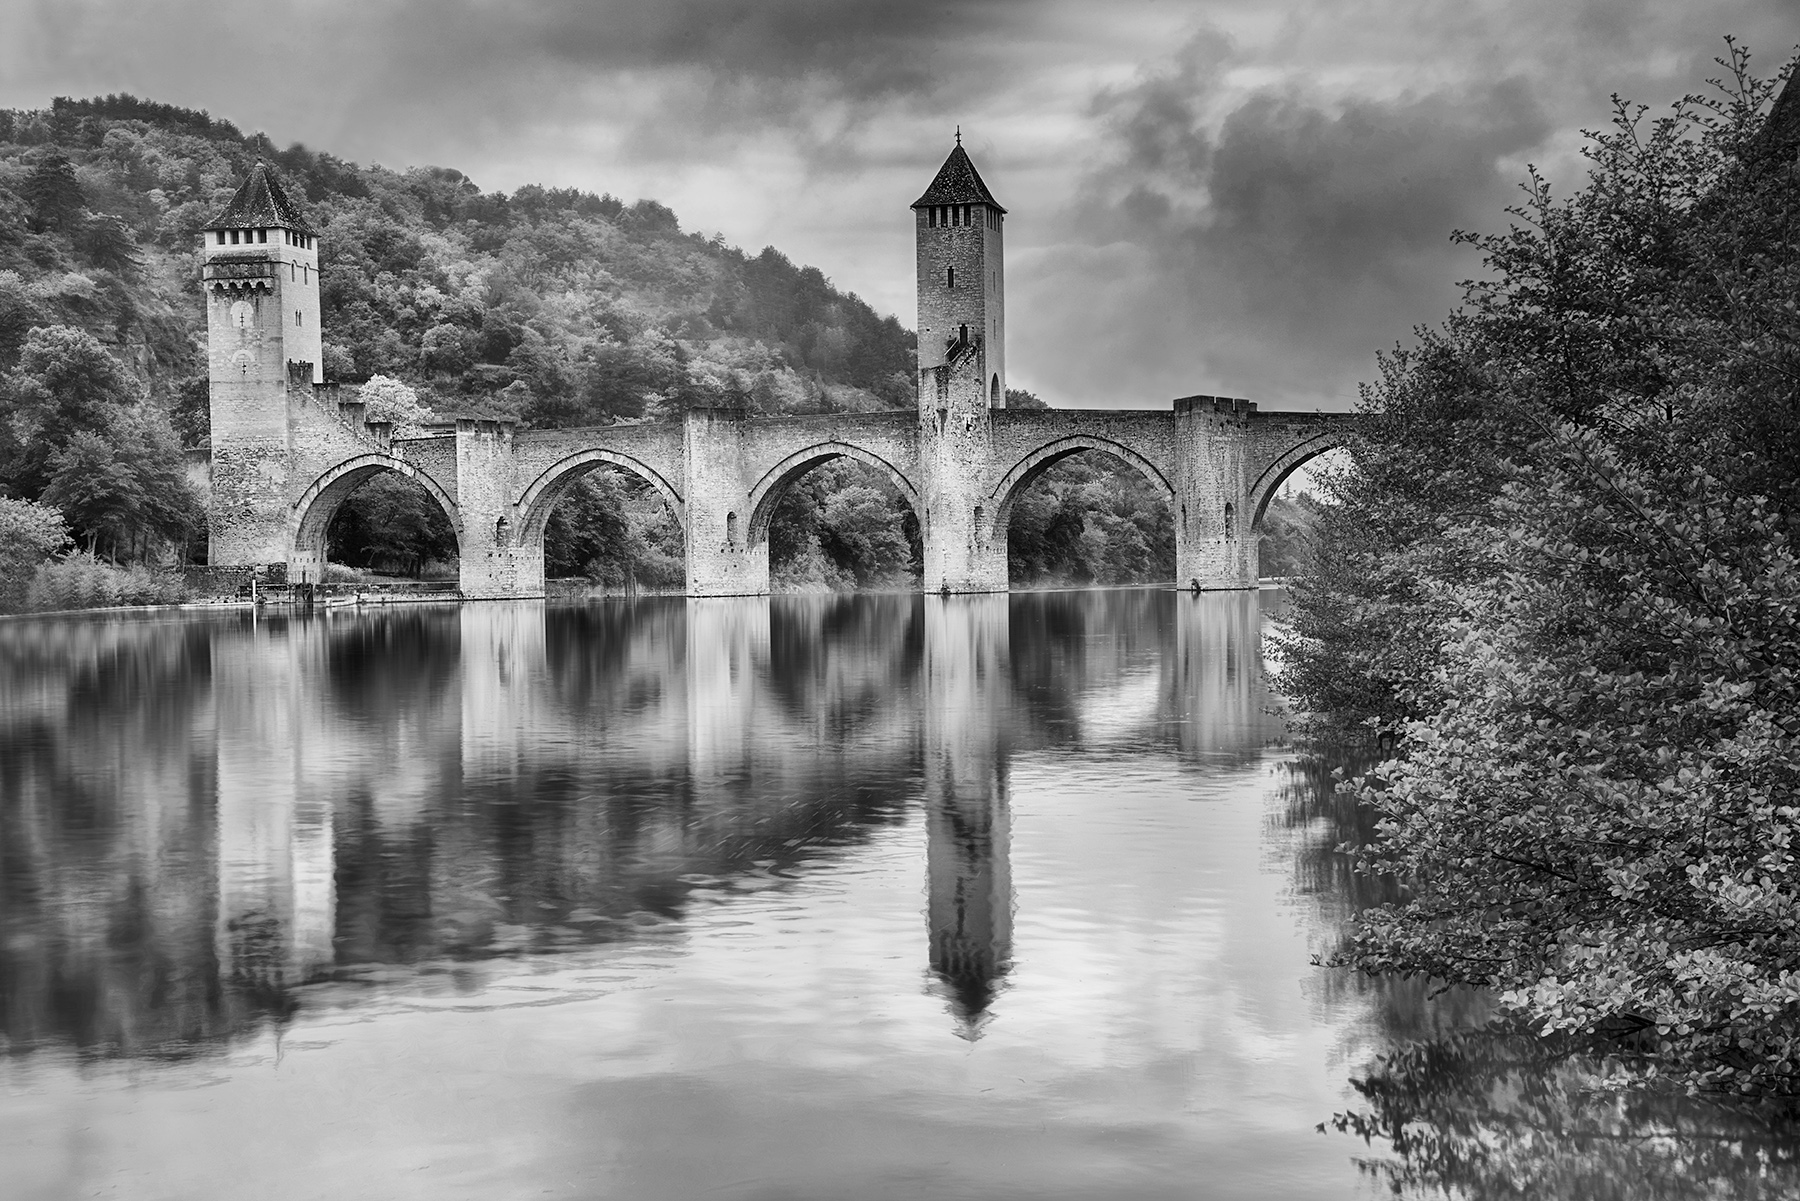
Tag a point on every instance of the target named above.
point(605, 518)
point(1080, 510)
point(837, 518)
point(375, 513)
point(1286, 512)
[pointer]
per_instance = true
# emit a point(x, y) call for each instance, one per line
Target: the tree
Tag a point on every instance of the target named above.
point(106, 243)
point(65, 384)
point(389, 399)
point(125, 488)
point(53, 192)
point(390, 524)
point(19, 312)
point(1561, 562)
point(29, 534)
point(1599, 822)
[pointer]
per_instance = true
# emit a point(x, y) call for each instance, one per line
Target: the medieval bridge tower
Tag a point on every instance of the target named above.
point(288, 449)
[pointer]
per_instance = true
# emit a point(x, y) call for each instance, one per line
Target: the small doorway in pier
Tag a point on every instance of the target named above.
point(611, 530)
point(1289, 522)
point(842, 526)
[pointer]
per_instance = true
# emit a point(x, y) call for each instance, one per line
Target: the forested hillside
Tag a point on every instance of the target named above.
point(556, 307)
point(553, 307)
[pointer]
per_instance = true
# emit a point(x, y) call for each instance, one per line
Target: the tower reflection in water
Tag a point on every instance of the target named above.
point(970, 906)
point(201, 817)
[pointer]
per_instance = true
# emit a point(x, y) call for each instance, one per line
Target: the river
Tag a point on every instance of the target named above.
point(871, 897)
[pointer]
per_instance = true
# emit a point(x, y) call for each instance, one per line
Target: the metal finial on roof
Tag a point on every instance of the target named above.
point(959, 134)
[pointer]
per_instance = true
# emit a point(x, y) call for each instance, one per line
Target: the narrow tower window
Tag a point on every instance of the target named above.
point(296, 316)
point(950, 277)
point(962, 334)
point(731, 530)
point(262, 235)
point(1230, 521)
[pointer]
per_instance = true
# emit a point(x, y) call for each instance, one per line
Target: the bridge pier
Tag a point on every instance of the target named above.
point(1214, 545)
point(494, 561)
point(722, 557)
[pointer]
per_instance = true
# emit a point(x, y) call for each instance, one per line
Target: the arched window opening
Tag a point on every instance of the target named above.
point(1230, 520)
point(502, 529)
point(610, 530)
point(843, 526)
point(980, 514)
point(994, 398)
point(950, 277)
point(297, 319)
point(731, 533)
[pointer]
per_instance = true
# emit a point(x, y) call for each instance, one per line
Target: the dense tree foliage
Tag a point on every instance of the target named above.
point(1289, 532)
point(842, 526)
point(29, 534)
point(75, 434)
point(1561, 563)
point(555, 306)
point(615, 529)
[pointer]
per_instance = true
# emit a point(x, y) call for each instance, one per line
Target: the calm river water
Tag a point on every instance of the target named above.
point(878, 897)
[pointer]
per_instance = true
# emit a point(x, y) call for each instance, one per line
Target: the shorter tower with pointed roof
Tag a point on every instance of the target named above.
point(260, 271)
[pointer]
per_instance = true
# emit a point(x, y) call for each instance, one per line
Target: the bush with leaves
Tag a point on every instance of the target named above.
point(1562, 562)
point(1600, 822)
point(29, 534)
point(84, 582)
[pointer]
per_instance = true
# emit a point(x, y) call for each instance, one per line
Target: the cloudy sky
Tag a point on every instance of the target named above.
point(1245, 197)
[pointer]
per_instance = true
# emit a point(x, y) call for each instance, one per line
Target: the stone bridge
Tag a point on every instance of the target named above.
point(1216, 461)
point(288, 449)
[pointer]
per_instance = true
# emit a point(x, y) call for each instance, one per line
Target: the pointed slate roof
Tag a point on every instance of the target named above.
point(957, 182)
point(260, 203)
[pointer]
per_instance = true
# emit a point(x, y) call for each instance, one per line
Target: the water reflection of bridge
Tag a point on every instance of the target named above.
point(287, 800)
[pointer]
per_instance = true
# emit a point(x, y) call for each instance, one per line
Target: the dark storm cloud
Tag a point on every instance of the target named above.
point(750, 56)
point(1288, 236)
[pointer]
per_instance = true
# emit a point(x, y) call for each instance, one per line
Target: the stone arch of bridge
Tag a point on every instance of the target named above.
point(1047, 456)
point(539, 499)
point(766, 495)
point(1290, 461)
point(311, 515)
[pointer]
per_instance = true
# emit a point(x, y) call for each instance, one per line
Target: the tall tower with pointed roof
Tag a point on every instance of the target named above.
point(260, 270)
point(959, 239)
